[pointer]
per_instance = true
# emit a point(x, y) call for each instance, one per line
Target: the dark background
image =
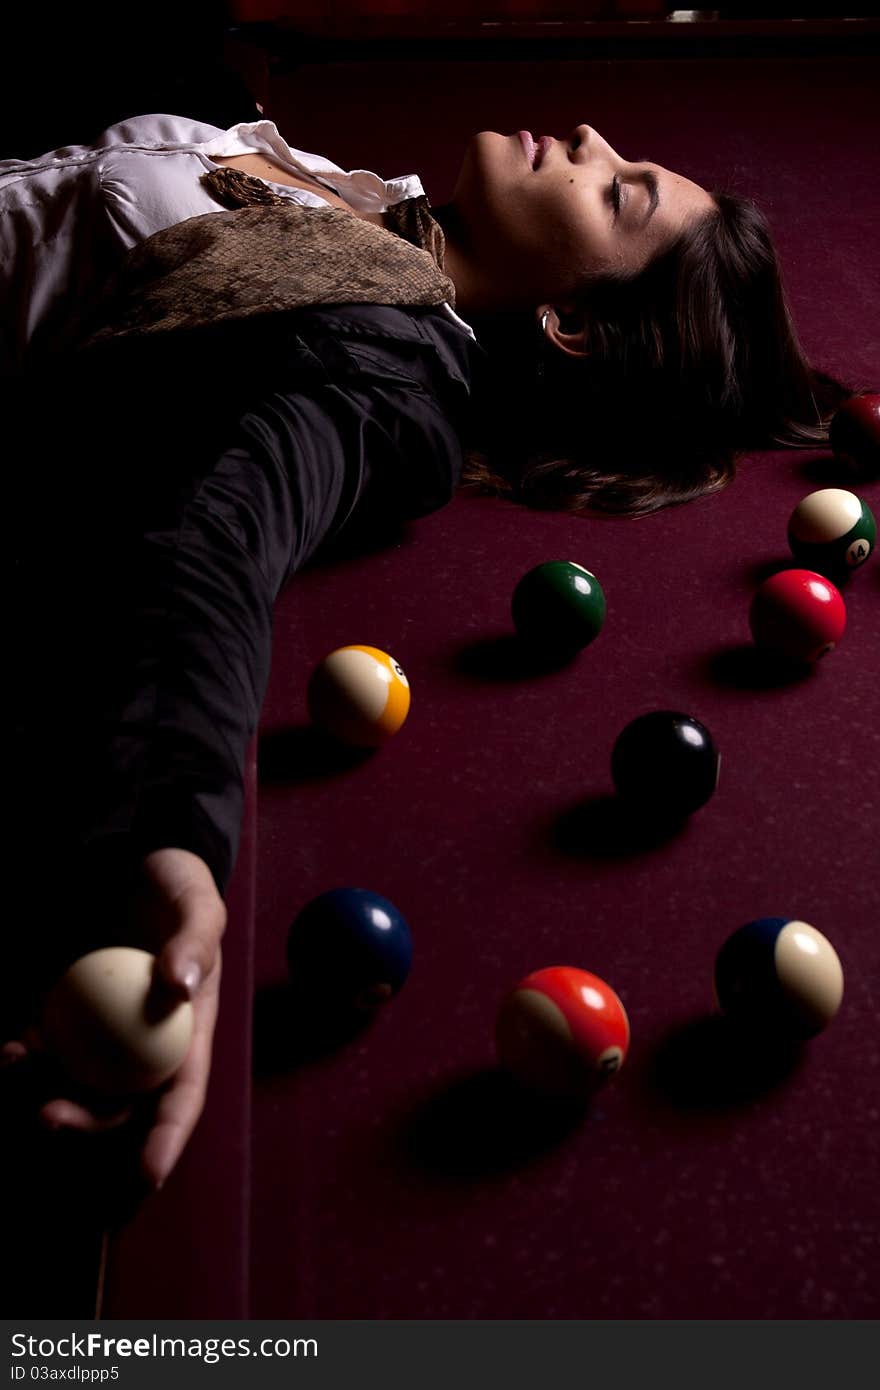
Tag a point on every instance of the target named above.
point(65, 78)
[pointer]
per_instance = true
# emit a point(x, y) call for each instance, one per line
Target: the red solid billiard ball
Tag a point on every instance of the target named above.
point(855, 434)
point(798, 614)
point(562, 1033)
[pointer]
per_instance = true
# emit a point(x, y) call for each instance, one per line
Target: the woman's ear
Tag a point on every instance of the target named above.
point(566, 328)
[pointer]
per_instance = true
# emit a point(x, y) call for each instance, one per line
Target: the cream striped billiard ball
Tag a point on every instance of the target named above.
point(359, 695)
point(832, 531)
point(562, 1033)
point(780, 976)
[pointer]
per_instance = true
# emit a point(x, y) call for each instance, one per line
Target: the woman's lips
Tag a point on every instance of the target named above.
point(528, 145)
point(543, 146)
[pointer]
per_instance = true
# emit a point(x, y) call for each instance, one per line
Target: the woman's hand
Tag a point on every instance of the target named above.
point(179, 916)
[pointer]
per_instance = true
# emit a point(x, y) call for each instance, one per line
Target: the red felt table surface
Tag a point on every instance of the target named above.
point(379, 1187)
point(389, 1177)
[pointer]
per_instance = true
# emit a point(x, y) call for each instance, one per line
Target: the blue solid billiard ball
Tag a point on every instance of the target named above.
point(350, 948)
point(781, 976)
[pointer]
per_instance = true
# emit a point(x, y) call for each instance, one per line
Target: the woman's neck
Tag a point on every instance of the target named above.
point(473, 294)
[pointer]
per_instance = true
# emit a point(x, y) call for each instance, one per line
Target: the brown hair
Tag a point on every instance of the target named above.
point(691, 361)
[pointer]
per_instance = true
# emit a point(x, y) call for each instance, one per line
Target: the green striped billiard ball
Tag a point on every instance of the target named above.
point(832, 531)
point(558, 608)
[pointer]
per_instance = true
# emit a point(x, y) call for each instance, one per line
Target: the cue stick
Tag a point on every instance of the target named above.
point(102, 1273)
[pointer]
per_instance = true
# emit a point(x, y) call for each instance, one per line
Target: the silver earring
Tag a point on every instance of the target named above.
point(542, 347)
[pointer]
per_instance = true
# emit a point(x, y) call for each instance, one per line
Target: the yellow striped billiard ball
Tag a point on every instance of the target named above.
point(359, 695)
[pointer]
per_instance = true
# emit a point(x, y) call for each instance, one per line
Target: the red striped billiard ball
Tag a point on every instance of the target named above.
point(562, 1033)
point(798, 614)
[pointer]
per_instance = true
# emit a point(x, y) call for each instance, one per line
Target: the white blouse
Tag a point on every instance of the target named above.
point(68, 218)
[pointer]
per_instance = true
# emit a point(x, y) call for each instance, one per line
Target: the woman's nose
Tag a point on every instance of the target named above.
point(586, 143)
point(579, 140)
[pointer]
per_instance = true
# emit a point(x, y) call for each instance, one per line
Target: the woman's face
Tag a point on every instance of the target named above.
point(581, 210)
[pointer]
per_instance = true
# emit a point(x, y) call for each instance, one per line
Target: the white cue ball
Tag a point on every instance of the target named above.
point(97, 1023)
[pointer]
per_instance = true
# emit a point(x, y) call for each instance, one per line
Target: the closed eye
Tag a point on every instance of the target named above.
point(646, 177)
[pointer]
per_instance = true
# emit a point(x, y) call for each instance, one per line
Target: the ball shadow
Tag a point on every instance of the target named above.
point(304, 753)
point(606, 828)
point(710, 1064)
point(749, 668)
point(825, 470)
point(290, 1030)
point(765, 569)
point(839, 575)
point(483, 1124)
point(507, 658)
point(367, 532)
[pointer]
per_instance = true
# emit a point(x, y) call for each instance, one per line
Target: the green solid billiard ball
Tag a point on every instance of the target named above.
point(832, 531)
point(558, 608)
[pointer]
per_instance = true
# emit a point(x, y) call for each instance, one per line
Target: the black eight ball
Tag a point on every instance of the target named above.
point(665, 763)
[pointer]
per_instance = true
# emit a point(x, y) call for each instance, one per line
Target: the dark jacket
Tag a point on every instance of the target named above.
point(178, 498)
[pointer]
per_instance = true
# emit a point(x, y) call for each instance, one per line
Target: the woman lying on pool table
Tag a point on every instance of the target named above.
point(614, 335)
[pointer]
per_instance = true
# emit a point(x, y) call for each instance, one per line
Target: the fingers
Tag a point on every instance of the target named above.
point(67, 1114)
point(12, 1052)
point(59, 1112)
point(194, 918)
point(191, 958)
point(18, 1049)
point(181, 917)
point(180, 1107)
point(25, 1057)
point(188, 959)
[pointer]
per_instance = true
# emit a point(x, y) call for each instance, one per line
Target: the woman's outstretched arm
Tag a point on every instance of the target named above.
point(147, 573)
